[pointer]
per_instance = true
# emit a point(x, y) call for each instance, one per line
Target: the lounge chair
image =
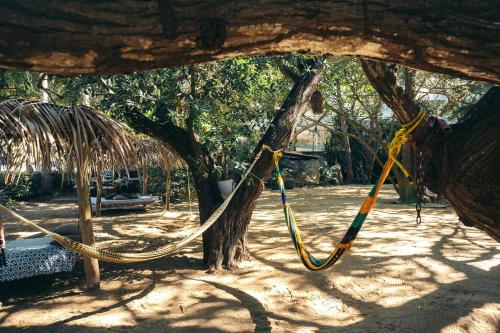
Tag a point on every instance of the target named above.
point(140, 201)
point(33, 257)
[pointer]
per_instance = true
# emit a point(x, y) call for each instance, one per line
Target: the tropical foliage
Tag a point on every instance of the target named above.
point(234, 100)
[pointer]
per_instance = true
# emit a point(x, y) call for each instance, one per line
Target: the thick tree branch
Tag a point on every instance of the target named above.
point(383, 79)
point(175, 136)
point(288, 71)
point(462, 160)
point(293, 105)
point(86, 37)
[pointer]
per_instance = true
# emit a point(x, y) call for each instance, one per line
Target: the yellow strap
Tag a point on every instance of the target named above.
point(277, 154)
point(401, 137)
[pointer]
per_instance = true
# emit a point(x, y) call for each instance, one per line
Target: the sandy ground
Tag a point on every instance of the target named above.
point(399, 277)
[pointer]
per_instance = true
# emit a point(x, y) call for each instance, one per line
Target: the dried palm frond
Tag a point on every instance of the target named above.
point(152, 151)
point(45, 133)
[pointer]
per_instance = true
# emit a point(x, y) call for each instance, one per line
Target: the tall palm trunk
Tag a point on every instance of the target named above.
point(90, 265)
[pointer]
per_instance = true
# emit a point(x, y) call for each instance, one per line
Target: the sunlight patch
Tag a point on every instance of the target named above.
point(486, 265)
point(479, 320)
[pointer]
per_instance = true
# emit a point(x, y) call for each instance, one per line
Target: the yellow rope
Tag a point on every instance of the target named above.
point(400, 138)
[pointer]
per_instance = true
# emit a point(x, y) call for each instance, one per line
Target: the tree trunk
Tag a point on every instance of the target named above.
point(347, 150)
point(370, 164)
point(87, 37)
point(407, 190)
point(98, 196)
point(90, 265)
point(375, 128)
point(463, 165)
point(229, 234)
point(461, 161)
point(224, 245)
point(209, 198)
point(200, 164)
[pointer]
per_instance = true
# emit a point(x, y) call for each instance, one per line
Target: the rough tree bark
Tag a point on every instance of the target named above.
point(85, 37)
point(461, 160)
point(199, 162)
point(224, 245)
point(407, 189)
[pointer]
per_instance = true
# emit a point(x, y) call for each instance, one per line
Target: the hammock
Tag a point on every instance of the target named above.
point(345, 244)
point(309, 261)
point(109, 256)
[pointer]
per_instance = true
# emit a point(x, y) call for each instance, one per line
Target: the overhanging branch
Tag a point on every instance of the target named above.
point(89, 37)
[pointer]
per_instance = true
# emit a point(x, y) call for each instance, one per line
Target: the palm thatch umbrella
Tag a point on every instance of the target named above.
point(154, 152)
point(148, 151)
point(79, 137)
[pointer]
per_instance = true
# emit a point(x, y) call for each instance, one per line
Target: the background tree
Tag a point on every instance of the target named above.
point(207, 113)
point(371, 123)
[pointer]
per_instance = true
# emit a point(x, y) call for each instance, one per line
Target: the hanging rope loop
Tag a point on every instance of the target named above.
point(400, 138)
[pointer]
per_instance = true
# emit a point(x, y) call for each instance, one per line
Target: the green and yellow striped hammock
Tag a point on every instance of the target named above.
point(313, 263)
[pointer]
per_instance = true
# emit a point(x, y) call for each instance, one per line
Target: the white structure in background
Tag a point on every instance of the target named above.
point(45, 87)
point(86, 99)
point(311, 137)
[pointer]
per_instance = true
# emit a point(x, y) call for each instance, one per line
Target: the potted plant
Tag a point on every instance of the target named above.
point(225, 183)
point(227, 171)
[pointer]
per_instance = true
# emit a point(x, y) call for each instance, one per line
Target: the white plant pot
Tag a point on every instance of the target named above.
point(226, 186)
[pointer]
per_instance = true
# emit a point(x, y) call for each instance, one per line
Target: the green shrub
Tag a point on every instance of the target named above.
point(29, 185)
point(178, 182)
point(21, 189)
point(58, 183)
point(331, 175)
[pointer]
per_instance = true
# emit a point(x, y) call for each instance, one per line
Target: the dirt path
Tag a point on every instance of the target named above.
point(437, 277)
